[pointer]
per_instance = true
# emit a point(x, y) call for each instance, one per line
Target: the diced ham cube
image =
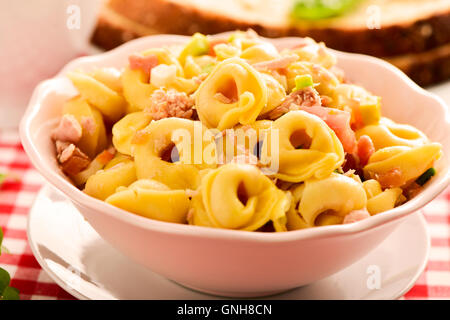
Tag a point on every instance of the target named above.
point(365, 149)
point(339, 122)
point(71, 158)
point(68, 130)
point(146, 64)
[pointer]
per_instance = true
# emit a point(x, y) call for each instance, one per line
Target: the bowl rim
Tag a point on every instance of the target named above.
point(84, 201)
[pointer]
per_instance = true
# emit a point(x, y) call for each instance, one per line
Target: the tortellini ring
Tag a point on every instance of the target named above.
point(109, 102)
point(379, 200)
point(388, 133)
point(275, 93)
point(169, 151)
point(152, 199)
point(307, 147)
point(136, 87)
point(105, 182)
point(260, 52)
point(125, 129)
point(233, 93)
point(409, 162)
point(240, 197)
point(325, 201)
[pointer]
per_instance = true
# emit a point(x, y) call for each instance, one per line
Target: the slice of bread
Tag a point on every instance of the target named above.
point(414, 34)
point(407, 26)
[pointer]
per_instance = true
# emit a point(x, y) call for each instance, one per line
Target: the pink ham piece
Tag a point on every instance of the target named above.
point(356, 215)
point(274, 64)
point(364, 149)
point(71, 158)
point(339, 122)
point(68, 130)
point(308, 100)
point(146, 64)
point(303, 42)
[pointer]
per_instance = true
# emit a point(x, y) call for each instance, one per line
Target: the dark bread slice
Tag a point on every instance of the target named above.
point(425, 68)
point(406, 26)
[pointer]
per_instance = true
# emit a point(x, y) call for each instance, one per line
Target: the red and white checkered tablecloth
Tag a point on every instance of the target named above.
point(17, 196)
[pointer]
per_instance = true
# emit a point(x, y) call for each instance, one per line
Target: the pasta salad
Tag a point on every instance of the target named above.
point(233, 133)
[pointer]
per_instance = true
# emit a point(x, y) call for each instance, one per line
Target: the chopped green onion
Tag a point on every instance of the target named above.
point(303, 81)
point(320, 9)
point(426, 176)
point(199, 45)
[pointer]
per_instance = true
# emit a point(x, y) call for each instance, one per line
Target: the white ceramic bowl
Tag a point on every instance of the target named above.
point(240, 263)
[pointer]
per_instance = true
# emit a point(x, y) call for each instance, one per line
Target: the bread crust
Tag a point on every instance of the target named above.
point(425, 67)
point(167, 17)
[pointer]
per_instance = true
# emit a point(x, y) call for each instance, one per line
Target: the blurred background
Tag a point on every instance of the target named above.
point(38, 37)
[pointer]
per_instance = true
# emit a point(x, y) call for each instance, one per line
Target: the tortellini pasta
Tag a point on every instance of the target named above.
point(125, 129)
point(136, 89)
point(307, 147)
point(152, 199)
point(229, 132)
point(379, 200)
point(105, 182)
point(388, 133)
point(275, 93)
point(169, 151)
point(110, 103)
point(263, 51)
point(240, 197)
point(234, 93)
point(136, 82)
point(407, 163)
point(325, 201)
point(314, 52)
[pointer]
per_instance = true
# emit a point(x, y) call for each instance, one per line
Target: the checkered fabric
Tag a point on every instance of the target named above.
point(18, 192)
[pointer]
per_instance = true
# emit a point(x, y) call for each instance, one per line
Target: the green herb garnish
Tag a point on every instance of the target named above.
point(199, 45)
point(320, 9)
point(6, 292)
point(426, 176)
point(303, 81)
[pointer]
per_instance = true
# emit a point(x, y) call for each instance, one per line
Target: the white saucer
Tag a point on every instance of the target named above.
point(87, 267)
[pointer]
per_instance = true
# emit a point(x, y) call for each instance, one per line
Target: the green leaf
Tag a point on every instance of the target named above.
point(320, 9)
point(11, 293)
point(2, 178)
point(1, 239)
point(5, 279)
